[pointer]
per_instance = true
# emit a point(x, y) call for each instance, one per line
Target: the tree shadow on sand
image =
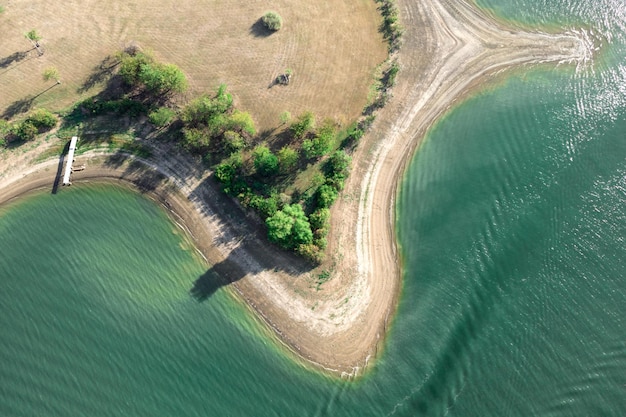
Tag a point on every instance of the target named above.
point(246, 233)
point(101, 73)
point(14, 57)
point(142, 176)
point(259, 30)
point(18, 107)
point(216, 277)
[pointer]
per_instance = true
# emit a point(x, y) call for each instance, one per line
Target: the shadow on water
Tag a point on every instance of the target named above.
point(57, 177)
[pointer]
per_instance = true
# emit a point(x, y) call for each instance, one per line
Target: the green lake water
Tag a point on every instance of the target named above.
point(511, 220)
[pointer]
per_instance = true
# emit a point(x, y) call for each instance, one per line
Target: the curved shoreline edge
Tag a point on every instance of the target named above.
point(449, 50)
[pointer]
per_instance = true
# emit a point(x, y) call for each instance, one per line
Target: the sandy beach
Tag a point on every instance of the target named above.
point(449, 51)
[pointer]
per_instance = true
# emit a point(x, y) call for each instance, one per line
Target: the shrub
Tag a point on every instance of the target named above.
point(287, 159)
point(265, 162)
point(51, 73)
point(241, 121)
point(289, 227)
point(233, 142)
point(25, 130)
point(319, 218)
point(196, 139)
point(141, 69)
point(338, 163)
point(302, 126)
point(326, 196)
point(311, 252)
point(272, 21)
point(163, 78)
point(267, 207)
point(228, 173)
point(130, 66)
point(162, 116)
point(322, 143)
point(42, 119)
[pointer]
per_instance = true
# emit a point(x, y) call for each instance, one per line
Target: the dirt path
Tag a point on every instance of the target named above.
point(449, 50)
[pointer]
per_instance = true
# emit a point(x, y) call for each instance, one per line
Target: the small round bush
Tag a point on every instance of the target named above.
point(42, 119)
point(272, 21)
point(162, 116)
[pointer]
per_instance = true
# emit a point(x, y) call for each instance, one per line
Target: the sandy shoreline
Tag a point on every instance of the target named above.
point(449, 50)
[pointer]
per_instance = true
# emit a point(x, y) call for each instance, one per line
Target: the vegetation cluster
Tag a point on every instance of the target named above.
point(290, 177)
point(38, 121)
point(390, 27)
point(272, 21)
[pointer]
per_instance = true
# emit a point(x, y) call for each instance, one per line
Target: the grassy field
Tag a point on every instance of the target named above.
point(332, 47)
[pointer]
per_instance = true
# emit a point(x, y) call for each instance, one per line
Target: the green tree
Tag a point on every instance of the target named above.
point(265, 162)
point(241, 121)
point(322, 143)
point(201, 110)
point(287, 159)
point(42, 119)
point(289, 227)
point(233, 142)
point(25, 130)
point(304, 124)
point(141, 69)
point(51, 73)
point(337, 168)
point(319, 218)
point(130, 66)
point(272, 21)
point(162, 116)
point(326, 196)
point(162, 78)
point(285, 117)
point(33, 36)
point(196, 139)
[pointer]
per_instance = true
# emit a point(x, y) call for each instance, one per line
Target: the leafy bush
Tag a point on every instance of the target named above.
point(233, 142)
point(287, 159)
point(241, 121)
point(322, 143)
point(196, 139)
point(319, 219)
point(311, 252)
point(289, 227)
point(265, 162)
point(42, 119)
point(141, 69)
point(302, 126)
point(201, 110)
point(326, 196)
point(25, 130)
point(272, 21)
point(162, 116)
point(267, 207)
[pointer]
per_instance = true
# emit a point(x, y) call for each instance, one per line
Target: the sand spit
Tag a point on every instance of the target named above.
point(450, 49)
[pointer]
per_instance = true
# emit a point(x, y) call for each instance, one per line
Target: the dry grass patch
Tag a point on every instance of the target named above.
point(332, 48)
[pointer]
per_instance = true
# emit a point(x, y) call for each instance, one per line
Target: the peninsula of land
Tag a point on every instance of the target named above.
point(449, 50)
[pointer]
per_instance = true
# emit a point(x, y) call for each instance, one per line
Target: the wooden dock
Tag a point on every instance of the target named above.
point(70, 161)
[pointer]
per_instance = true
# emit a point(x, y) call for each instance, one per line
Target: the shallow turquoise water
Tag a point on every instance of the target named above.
point(511, 221)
